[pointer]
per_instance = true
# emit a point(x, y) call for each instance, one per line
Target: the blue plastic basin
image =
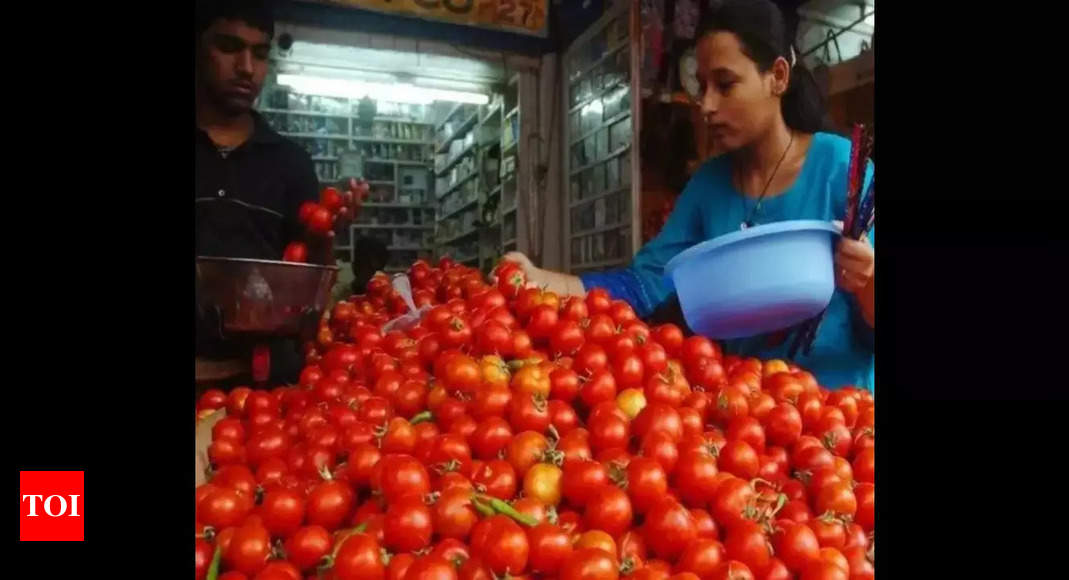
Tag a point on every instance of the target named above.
point(757, 280)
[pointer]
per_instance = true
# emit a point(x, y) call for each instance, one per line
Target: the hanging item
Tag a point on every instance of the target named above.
point(521, 16)
point(685, 22)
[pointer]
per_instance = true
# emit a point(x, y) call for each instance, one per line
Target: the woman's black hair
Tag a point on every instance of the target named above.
point(765, 36)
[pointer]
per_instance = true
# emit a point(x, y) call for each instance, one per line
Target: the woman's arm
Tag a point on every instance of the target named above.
point(641, 283)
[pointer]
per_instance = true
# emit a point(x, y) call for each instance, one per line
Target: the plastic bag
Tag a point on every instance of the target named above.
point(411, 318)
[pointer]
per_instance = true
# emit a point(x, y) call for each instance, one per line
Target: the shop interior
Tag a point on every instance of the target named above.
point(473, 148)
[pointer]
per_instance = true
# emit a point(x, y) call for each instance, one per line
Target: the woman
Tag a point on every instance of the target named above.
point(765, 112)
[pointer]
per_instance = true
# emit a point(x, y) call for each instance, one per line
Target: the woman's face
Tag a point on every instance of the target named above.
point(738, 102)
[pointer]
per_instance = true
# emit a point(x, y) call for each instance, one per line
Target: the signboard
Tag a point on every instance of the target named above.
point(520, 16)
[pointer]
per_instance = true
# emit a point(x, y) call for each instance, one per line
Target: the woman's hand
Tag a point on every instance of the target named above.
point(855, 264)
point(559, 282)
point(855, 271)
point(530, 271)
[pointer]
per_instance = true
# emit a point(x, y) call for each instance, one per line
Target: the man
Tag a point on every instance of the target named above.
point(371, 257)
point(249, 181)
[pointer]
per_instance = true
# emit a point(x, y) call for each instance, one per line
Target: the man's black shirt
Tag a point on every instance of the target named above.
point(247, 202)
point(247, 199)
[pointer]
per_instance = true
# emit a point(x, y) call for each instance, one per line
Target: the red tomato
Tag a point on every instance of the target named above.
point(408, 525)
point(647, 483)
point(609, 509)
point(796, 545)
point(248, 549)
point(693, 478)
point(359, 557)
point(668, 529)
point(702, 557)
point(550, 546)
point(739, 458)
point(501, 544)
point(590, 563)
point(580, 479)
point(670, 337)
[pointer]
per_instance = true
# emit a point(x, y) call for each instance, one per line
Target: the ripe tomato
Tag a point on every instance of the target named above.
point(204, 553)
point(453, 514)
point(590, 563)
point(396, 476)
point(647, 483)
point(795, 544)
point(695, 348)
point(693, 478)
point(542, 322)
point(566, 338)
point(549, 547)
point(609, 509)
point(657, 416)
point(830, 532)
point(359, 557)
point(460, 373)
point(661, 446)
point(282, 512)
point(580, 479)
point(595, 539)
point(408, 525)
point(248, 549)
point(496, 478)
point(532, 379)
point(490, 437)
point(864, 466)
point(575, 445)
point(668, 529)
point(730, 500)
point(608, 431)
point(589, 359)
point(730, 403)
point(670, 337)
point(824, 570)
point(525, 450)
point(563, 384)
point(739, 458)
point(574, 308)
point(278, 570)
point(562, 417)
point(599, 387)
point(221, 508)
point(702, 557)
point(501, 545)
point(629, 371)
point(866, 505)
point(837, 498)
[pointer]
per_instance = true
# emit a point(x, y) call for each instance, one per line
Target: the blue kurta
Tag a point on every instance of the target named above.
point(709, 207)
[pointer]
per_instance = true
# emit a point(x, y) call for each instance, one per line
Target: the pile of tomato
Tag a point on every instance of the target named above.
point(517, 434)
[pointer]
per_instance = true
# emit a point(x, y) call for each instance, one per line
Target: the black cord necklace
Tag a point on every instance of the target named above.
point(749, 221)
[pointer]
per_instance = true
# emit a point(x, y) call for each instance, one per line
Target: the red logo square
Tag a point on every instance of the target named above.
point(52, 506)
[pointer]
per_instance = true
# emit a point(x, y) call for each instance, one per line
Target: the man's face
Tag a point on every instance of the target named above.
point(232, 64)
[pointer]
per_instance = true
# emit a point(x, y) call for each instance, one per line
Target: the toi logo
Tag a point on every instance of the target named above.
point(52, 506)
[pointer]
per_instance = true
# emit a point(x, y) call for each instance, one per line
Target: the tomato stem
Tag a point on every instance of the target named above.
point(504, 508)
point(421, 418)
point(481, 507)
point(213, 568)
